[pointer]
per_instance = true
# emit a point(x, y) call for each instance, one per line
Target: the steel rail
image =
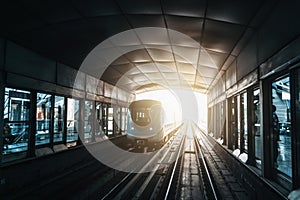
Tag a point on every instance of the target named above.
point(212, 187)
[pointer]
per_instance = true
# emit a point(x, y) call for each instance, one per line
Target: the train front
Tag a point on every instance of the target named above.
point(145, 123)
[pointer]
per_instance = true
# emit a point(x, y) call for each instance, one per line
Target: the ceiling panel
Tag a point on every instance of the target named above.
point(160, 35)
point(154, 76)
point(124, 80)
point(15, 19)
point(240, 12)
point(95, 8)
point(212, 59)
point(123, 68)
point(147, 67)
point(138, 77)
point(186, 25)
point(122, 60)
point(139, 56)
point(167, 66)
point(67, 31)
point(186, 68)
point(160, 55)
point(221, 37)
point(140, 7)
point(188, 77)
point(205, 81)
point(171, 75)
point(191, 8)
point(140, 20)
point(186, 54)
point(207, 72)
point(53, 11)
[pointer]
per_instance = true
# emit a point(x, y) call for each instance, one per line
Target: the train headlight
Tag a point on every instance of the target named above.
point(132, 128)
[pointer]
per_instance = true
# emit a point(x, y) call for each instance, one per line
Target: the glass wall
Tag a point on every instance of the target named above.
point(256, 126)
point(59, 113)
point(244, 121)
point(233, 138)
point(110, 121)
point(281, 126)
point(73, 110)
point(124, 120)
point(98, 115)
point(105, 118)
point(88, 121)
point(238, 131)
point(43, 118)
point(117, 120)
point(16, 120)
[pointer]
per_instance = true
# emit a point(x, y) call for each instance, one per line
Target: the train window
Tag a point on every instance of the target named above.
point(88, 121)
point(72, 120)
point(16, 120)
point(59, 111)
point(256, 126)
point(281, 126)
point(43, 118)
point(140, 116)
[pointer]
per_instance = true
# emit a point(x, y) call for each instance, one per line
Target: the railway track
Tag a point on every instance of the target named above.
point(179, 171)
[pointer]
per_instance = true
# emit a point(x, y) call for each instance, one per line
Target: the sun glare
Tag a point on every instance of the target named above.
point(180, 105)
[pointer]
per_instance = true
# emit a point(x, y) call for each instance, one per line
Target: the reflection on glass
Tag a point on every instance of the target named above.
point(124, 120)
point(72, 120)
point(256, 128)
point(59, 110)
point(110, 121)
point(16, 120)
point(88, 121)
point(234, 124)
point(43, 118)
point(98, 113)
point(245, 121)
point(281, 126)
point(117, 111)
point(238, 123)
point(104, 118)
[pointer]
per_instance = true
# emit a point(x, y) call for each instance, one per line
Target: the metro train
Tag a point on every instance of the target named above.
point(147, 124)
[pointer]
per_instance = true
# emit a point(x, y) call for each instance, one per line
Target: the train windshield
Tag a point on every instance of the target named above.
point(141, 116)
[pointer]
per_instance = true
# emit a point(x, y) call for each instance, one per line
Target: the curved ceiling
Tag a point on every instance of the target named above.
point(68, 30)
